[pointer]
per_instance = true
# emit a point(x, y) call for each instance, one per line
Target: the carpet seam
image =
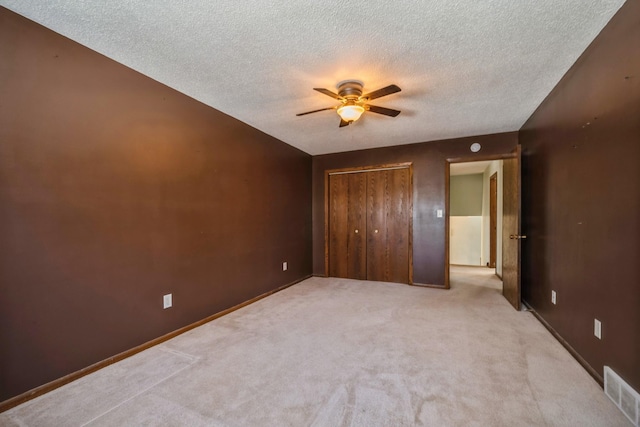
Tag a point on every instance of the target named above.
point(138, 394)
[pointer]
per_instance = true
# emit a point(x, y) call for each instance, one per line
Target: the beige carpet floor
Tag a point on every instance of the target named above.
point(333, 352)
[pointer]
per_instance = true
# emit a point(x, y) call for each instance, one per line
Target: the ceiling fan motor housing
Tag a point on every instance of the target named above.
point(350, 89)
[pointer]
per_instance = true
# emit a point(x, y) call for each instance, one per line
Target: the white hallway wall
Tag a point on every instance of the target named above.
point(465, 221)
point(465, 240)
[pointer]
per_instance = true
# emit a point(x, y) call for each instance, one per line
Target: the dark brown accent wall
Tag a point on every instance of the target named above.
point(581, 188)
point(428, 160)
point(115, 190)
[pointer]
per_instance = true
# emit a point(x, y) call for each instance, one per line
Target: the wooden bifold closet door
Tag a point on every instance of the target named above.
point(369, 222)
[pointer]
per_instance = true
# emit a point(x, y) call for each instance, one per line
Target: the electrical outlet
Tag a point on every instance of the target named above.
point(284, 266)
point(553, 297)
point(597, 328)
point(167, 301)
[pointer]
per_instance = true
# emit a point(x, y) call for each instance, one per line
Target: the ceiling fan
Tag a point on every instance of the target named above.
point(354, 103)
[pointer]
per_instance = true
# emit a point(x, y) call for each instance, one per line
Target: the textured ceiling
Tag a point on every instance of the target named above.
point(466, 67)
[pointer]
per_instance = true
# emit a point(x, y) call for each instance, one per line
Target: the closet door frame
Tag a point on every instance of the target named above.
point(360, 169)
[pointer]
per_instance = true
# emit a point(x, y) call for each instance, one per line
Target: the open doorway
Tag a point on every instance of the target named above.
point(475, 215)
point(508, 248)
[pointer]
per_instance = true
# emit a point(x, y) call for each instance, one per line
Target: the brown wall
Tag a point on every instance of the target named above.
point(115, 190)
point(581, 188)
point(429, 160)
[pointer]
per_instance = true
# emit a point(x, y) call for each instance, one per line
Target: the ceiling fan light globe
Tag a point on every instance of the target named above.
point(350, 113)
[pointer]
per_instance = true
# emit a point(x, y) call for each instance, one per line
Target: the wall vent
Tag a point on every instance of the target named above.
point(621, 393)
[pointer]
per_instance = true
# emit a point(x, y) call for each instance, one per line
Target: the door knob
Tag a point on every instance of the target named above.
point(517, 237)
point(356, 231)
point(375, 231)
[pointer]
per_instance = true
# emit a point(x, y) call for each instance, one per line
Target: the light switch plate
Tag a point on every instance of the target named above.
point(597, 328)
point(167, 301)
point(284, 266)
point(439, 213)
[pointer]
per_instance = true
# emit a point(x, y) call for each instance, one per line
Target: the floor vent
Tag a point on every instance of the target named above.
point(625, 398)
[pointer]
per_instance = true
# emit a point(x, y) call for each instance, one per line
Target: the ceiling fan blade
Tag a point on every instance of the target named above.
point(382, 92)
point(382, 110)
point(344, 123)
point(328, 92)
point(315, 111)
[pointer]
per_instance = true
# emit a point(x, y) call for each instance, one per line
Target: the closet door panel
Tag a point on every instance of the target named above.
point(377, 255)
point(357, 227)
point(338, 225)
point(398, 213)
